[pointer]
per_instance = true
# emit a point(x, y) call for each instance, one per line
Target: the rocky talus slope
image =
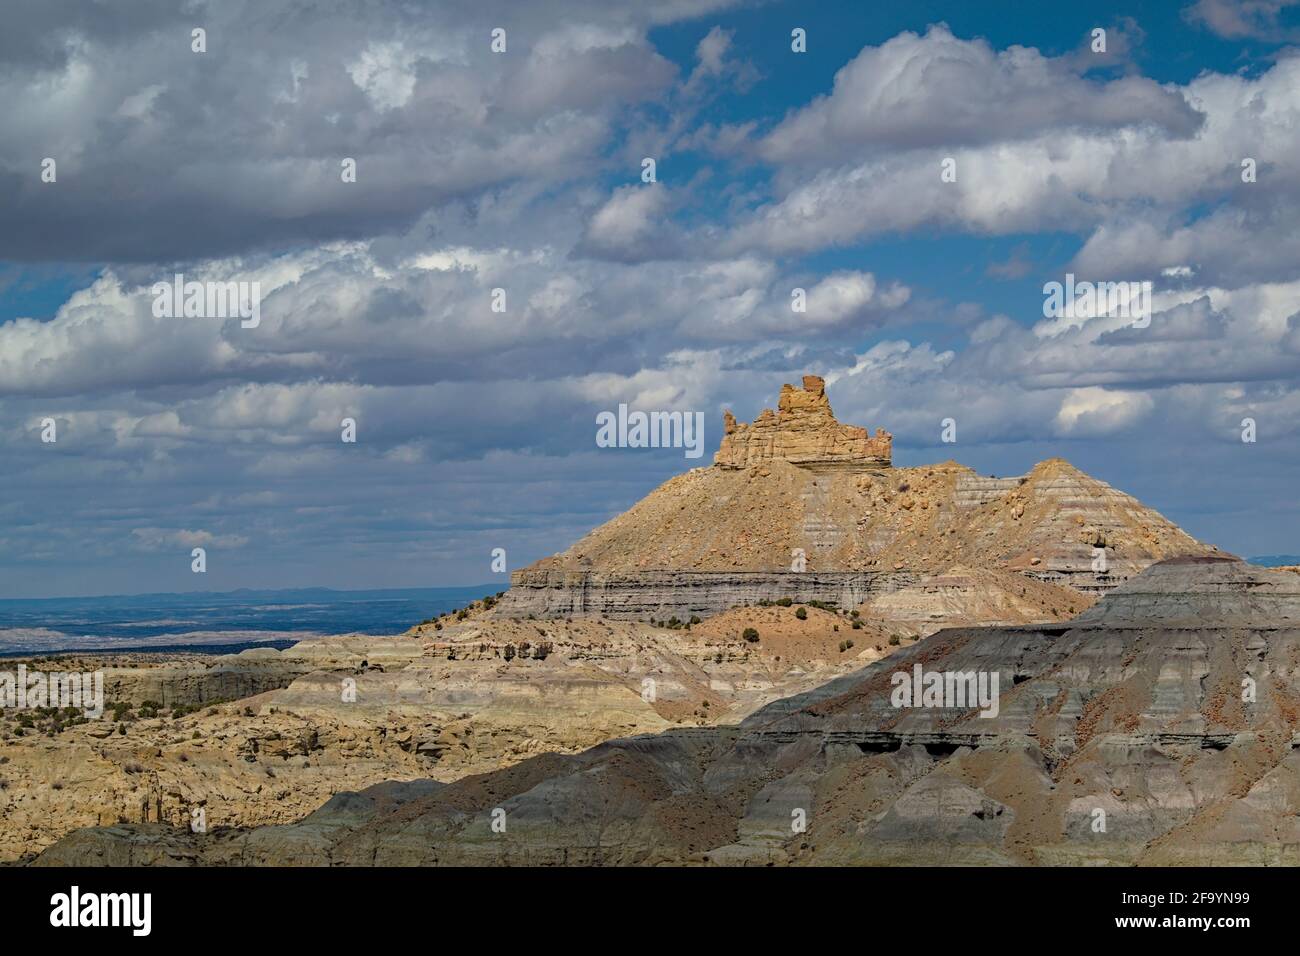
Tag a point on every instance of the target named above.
point(796, 484)
point(1157, 727)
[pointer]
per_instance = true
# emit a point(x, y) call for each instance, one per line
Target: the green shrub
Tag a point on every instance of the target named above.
point(801, 613)
point(750, 634)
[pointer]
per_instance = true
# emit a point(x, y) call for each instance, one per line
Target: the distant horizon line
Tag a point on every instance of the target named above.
point(488, 588)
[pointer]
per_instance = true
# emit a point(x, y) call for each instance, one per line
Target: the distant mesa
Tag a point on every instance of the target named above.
point(803, 431)
point(1276, 560)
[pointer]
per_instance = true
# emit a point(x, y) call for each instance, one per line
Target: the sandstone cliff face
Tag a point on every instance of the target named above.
point(660, 595)
point(202, 680)
point(188, 679)
point(802, 431)
point(1120, 739)
point(907, 601)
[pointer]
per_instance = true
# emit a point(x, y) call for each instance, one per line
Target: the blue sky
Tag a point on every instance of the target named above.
point(521, 171)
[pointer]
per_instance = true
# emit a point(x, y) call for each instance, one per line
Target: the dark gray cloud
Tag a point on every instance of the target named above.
point(165, 154)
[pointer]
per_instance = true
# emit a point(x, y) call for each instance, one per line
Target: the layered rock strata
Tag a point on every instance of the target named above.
point(662, 595)
point(452, 697)
point(1158, 728)
point(721, 527)
point(203, 680)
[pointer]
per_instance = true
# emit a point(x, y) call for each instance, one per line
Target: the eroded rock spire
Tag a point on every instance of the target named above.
point(803, 431)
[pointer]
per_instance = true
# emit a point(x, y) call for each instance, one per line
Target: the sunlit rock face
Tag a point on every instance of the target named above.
point(804, 432)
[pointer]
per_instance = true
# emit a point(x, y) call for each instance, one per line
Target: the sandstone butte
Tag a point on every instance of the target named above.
point(797, 485)
point(803, 431)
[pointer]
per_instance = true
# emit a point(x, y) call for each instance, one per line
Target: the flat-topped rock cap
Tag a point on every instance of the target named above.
point(802, 431)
